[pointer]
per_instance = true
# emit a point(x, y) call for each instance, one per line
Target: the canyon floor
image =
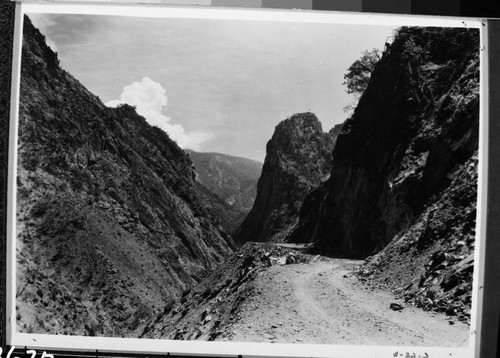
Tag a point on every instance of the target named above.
point(276, 293)
point(322, 302)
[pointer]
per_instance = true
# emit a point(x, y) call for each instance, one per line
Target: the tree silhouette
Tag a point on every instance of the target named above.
point(358, 74)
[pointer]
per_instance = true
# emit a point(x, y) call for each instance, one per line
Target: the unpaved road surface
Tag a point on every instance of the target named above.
point(321, 302)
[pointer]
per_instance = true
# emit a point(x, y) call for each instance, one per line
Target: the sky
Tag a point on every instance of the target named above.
point(213, 85)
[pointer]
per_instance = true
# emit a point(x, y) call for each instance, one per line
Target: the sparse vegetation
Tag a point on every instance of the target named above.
point(358, 74)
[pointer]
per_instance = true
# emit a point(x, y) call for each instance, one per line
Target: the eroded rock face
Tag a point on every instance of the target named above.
point(431, 263)
point(298, 158)
point(414, 128)
point(110, 227)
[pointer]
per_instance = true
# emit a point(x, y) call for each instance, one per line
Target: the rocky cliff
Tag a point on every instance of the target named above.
point(228, 185)
point(405, 170)
point(415, 125)
point(110, 228)
point(298, 158)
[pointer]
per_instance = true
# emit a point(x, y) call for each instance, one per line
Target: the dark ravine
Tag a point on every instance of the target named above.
point(110, 226)
point(223, 213)
point(298, 158)
point(227, 184)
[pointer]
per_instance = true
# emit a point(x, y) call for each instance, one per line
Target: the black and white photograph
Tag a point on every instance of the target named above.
point(218, 179)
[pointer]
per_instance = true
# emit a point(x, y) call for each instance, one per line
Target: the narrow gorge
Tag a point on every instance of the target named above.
point(366, 229)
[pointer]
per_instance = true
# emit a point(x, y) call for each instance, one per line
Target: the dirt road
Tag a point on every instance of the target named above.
point(320, 302)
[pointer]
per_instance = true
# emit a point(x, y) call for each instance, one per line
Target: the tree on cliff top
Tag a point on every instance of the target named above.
point(358, 74)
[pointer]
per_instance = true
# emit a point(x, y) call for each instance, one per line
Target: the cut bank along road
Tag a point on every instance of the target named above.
point(320, 302)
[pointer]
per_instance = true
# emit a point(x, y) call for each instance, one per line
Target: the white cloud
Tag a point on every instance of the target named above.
point(150, 97)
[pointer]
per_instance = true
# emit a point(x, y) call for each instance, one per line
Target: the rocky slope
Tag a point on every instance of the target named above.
point(110, 228)
point(405, 170)
point(209, 310)
point(298, 158)
point(431, 263)
point(228, 185)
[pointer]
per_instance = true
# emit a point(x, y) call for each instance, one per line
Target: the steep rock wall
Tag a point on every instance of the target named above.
point(298, 157)
point(110, 228)
point(414, 127)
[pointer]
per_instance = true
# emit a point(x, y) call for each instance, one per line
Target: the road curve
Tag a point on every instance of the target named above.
point(321, 302)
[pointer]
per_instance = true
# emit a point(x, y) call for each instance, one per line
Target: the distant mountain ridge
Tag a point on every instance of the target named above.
point(230, 185)
point(230, 177)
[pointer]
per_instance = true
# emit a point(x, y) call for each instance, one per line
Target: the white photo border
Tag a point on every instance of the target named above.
point(234, 349)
